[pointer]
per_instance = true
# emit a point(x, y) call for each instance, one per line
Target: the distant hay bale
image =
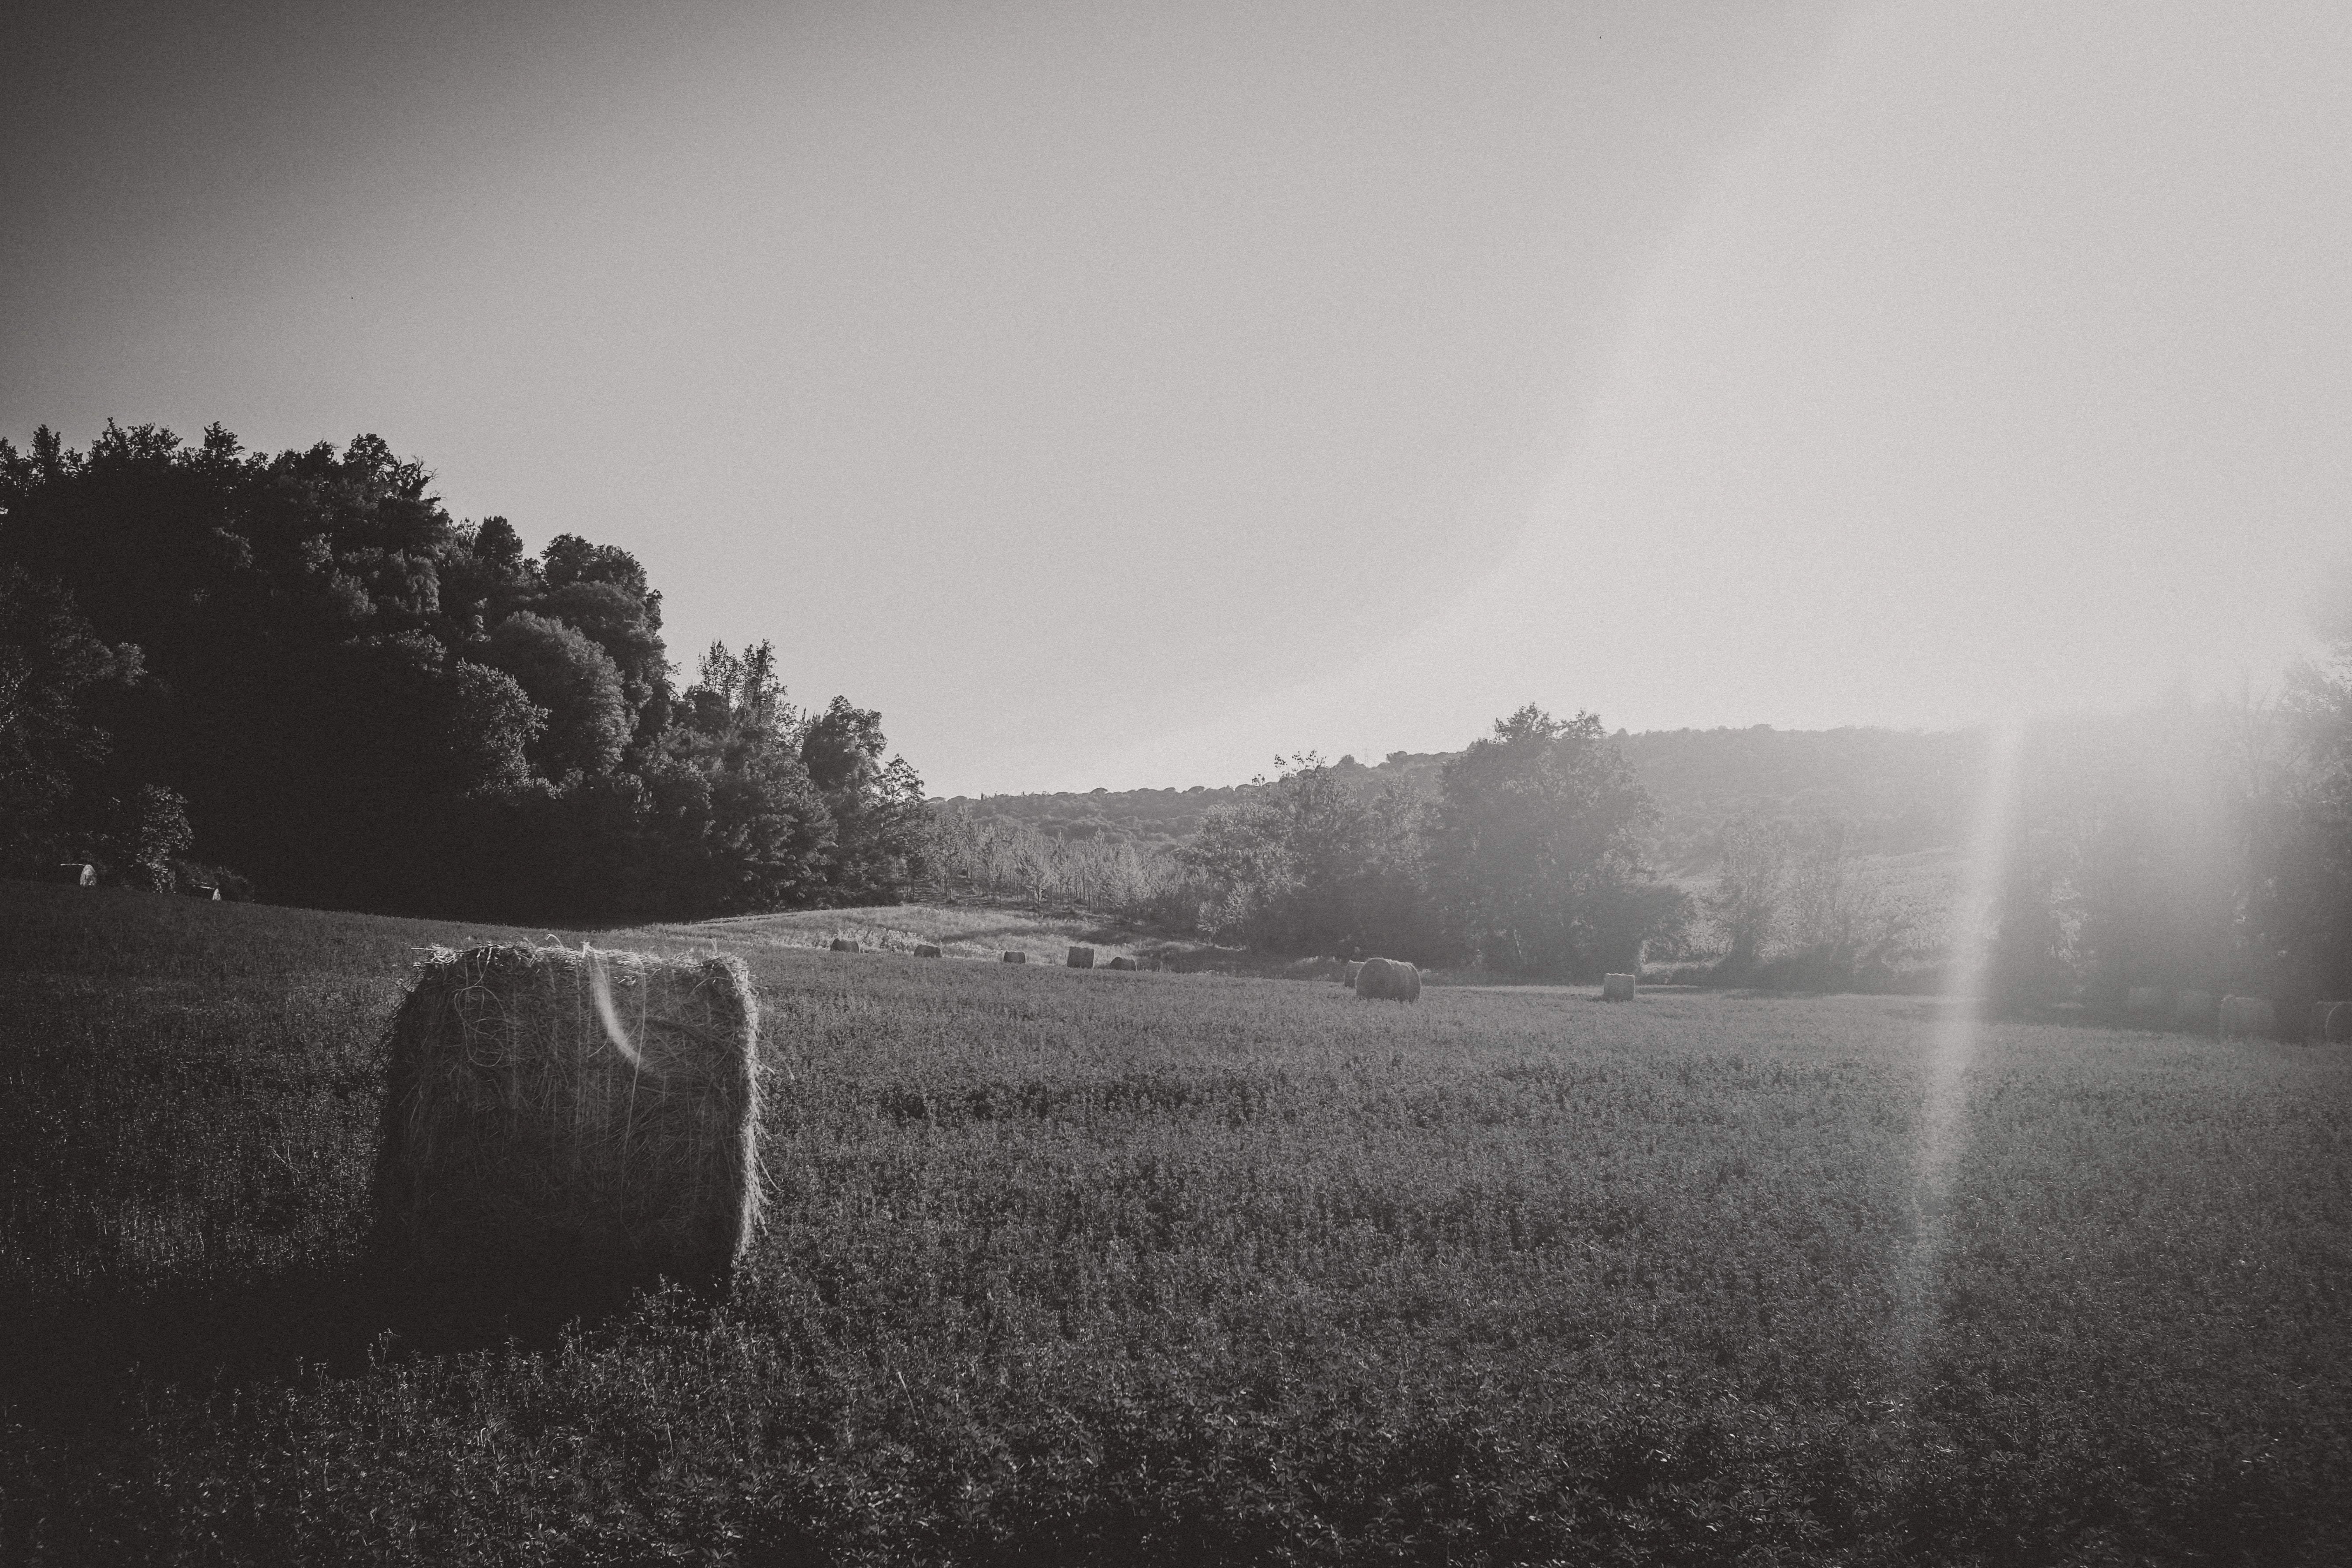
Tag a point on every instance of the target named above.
point(1388, 979)
point(1082, 957)
point(1122, 962)
point(2143, 999)
point(2243, 1016)
point(2339, 1023)
point(1355, 967)
point(1016, 958)
point(76, 874)
point(927, 950)
point(2196, 1010)
point(843, 944)
point(560, 1116)
point(1616, 988)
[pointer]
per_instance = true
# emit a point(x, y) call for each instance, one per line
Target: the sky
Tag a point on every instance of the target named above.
point(1123, 395)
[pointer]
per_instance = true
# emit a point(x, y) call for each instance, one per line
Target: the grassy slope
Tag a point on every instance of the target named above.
point(978, 931)
point(1132, 1267)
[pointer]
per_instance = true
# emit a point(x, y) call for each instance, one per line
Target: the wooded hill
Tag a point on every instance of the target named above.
point(1897, 790)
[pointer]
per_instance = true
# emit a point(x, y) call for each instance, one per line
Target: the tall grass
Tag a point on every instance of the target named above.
point(1002, 858)
point(1077, 1266)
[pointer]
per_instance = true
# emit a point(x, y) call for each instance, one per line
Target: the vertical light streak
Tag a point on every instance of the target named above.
point(601, 990)
point(1953, 1047)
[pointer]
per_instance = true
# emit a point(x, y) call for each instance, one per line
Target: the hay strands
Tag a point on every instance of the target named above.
point(553, 1110)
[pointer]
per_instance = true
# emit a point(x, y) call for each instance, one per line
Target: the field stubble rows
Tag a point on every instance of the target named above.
point(1125, 1268)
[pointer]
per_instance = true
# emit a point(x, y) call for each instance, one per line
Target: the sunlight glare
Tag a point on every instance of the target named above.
point(1953, 1046)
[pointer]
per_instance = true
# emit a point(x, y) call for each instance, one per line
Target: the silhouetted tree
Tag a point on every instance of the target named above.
point(880, 835)
point(1536, 834)
point(364, 702)
point(1310, 864)
point(1750, 887)
point(53, 669)
point(577, 685)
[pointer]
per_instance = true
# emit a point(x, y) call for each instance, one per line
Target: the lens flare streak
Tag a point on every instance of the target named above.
point(1952, 1049)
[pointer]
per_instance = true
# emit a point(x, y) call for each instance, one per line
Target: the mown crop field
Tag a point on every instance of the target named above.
point(1151, 1268)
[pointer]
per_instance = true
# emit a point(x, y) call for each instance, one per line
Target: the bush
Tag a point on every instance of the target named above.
point(190, 876)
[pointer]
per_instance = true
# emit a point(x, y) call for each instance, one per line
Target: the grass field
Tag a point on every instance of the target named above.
point(1160, 1267)
point(973, 931)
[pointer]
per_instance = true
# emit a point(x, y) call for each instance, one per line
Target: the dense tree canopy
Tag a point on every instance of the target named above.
point(1529, 859)
point(362, 701)
point(1536, 850)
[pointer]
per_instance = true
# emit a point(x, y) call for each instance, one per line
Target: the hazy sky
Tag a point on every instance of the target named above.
point(1118, 394)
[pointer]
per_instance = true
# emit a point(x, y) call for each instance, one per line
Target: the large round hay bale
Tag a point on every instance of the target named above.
point(1120, 962)
point(1082, 957)
point(1016, 958)
point(1389, 979)
point(2196, 1011)
point(927, 950)
point(2146, 999)
point(560, 1116)
point(1616, 988)
point(843, 944)
point(2339, 1023)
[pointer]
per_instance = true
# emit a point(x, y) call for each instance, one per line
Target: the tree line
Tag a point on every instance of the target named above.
point(300, 671)
point(2203, 847)
point(1531, 857)
point(2182, 847)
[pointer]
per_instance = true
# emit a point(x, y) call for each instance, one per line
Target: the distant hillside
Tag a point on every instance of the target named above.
point(1901, 790)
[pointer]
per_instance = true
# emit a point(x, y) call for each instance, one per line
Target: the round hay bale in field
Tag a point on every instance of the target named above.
point(1389, 979)
point(2143, 999)
point(2339, 1023)
point(75, 874)
point(927, 950)
point(1082, 957)
point(843, 944)
point(2243, 1015)
point(2196, 1011)
point(1120, 962)
point(1616, 988)
point(1016, 958)
point(559, 1120)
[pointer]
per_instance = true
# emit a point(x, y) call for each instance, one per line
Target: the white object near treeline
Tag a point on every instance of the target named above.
point(77, 874)
point(1616, 988)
